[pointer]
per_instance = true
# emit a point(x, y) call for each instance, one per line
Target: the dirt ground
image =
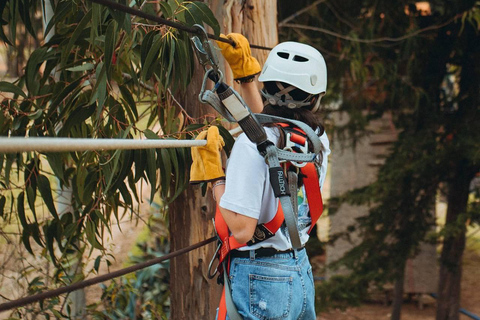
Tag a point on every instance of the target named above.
point(470, 300)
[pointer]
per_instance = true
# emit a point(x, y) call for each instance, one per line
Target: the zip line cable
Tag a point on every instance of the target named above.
point(126, 9)
point(89, 282)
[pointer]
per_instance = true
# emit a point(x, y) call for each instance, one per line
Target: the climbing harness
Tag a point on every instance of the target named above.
point(296, 141)
point(231, 106)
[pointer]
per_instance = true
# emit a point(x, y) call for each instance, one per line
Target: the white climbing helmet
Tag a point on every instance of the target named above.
point(298, 65)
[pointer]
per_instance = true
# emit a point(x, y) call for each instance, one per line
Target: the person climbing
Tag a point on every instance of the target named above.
point(267, 277)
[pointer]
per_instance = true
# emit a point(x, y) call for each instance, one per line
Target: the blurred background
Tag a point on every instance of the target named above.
point(399, 237)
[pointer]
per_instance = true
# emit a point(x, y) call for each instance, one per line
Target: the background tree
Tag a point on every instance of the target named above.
point(402, 59)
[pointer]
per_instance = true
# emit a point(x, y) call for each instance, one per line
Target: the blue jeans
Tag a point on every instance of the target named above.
point(277, 287)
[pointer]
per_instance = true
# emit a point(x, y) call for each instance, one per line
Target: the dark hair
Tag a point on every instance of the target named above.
point(301, 114)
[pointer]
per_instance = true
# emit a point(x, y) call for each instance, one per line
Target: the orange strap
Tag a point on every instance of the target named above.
point(314, 195)
point(222, 308)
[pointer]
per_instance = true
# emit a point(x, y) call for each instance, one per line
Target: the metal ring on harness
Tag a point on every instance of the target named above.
point(296, 164)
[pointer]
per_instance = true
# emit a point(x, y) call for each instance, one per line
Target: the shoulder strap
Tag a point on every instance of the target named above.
point(314, 194)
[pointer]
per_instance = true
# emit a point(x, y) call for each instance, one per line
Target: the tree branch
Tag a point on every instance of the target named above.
point(382, 39)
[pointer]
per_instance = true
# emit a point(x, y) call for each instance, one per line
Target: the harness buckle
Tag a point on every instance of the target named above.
point(292, 146)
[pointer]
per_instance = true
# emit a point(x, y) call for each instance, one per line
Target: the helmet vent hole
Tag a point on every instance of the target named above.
point(283, 55)
point(300, 59)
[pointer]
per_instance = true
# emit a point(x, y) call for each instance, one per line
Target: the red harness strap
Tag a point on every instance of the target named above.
point(314, 195)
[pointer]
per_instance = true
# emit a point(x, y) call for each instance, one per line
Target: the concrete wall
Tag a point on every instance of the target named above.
point(356, 167)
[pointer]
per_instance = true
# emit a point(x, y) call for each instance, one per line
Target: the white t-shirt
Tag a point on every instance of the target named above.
point(248, 190)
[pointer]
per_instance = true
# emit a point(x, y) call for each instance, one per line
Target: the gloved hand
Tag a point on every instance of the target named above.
point(239, 57)
point(207, 161)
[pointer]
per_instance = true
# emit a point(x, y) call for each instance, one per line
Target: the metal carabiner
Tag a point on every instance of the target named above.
point(211, 275)
point(203, 49)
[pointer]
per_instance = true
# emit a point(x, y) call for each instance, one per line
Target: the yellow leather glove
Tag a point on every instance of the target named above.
point(239, 57)
point(207, 161)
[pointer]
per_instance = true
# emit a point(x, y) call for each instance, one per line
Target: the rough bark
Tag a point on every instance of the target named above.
point(193, 295)
point(463, 171)
point(398, 294)
point(448, 302)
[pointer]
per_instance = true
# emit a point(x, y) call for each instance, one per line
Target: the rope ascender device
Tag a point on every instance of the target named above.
point(226, 101)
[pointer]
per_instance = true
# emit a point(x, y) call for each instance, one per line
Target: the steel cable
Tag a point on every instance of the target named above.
point(126, 9)
point(89, 282)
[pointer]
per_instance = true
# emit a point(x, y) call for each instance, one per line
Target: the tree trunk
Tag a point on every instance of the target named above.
point(193, 295)
point(448, 302)
point(463, 125)
point(398, 294)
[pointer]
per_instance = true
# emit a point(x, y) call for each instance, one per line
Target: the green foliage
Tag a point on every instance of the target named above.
point(417, 67)
point(339, 292)
point(144, 295)
point(103, 74)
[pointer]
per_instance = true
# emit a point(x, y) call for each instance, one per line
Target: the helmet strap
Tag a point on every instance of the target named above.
point(283, 98)
point(317, 103)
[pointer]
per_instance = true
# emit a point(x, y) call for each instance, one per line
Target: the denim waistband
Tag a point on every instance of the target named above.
point(262, 253)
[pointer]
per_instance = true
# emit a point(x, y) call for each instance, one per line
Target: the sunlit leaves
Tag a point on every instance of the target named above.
point(197, 12)
point(103, 74)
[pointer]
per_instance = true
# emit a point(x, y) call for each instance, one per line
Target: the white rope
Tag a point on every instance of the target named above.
point(20, 144)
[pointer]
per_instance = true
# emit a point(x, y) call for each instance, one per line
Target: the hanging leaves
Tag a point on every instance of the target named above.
point(46, 192)
point(197, 12)
point(10, 87)
point(102, 74)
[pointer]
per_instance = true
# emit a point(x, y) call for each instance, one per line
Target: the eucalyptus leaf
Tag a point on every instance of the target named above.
point(49, 231)
point(166, 9)
point(31, 71)
point(26, 240)
point(110, 42)
point(148, 66)
point(198, 12)
point(24, 10)
point(46, 192)
point(127, 95)
point(82, 67)
point(165, 170)
point(21, 210)
point(10, 87)
point(146, 45)
point(76, 34)
point(3, 200)
point(151, 172)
